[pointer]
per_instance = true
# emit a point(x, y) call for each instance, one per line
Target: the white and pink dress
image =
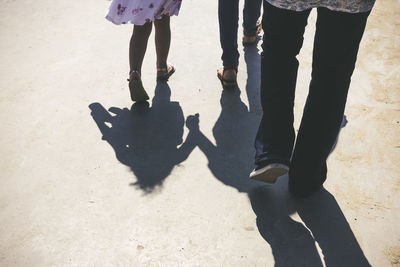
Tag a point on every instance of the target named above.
point(139, 12)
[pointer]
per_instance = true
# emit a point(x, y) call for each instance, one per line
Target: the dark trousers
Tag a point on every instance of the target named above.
point(228, 16)
point(336, 44)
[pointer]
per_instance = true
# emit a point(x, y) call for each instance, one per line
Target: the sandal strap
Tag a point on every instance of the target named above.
point(169, 65)
point(136, 73)
point(235, 68)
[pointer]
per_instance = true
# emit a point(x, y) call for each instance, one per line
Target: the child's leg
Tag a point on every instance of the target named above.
point(163, 40)
point(138, 45)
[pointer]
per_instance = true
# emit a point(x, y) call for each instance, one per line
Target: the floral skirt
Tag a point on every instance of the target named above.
point(139, 12)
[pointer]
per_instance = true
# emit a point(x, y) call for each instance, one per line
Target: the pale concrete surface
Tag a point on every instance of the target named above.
point(69, 198)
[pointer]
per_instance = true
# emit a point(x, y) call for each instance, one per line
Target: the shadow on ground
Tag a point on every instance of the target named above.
point(231, 160)
point(145, 138)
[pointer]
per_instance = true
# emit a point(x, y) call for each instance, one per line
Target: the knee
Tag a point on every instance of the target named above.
point(143, 29)
point(282, 43)
point(163, 22)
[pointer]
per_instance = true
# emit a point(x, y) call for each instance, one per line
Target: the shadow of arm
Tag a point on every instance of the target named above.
point(101, 116)
point(195, 138)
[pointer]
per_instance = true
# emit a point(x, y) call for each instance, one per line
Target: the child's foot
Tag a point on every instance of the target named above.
point(227, 76)
point(163, 74)
point(269, 173)
point(136, 87)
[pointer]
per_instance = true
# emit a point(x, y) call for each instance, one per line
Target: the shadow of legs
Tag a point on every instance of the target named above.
point(291, 242)
point(323, 216)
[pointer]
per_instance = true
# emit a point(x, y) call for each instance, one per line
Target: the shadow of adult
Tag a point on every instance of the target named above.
point(323, 216)
point(253, 82)
point(291, 243)
point(294, 244)
point(144, 138)
point(232, 159)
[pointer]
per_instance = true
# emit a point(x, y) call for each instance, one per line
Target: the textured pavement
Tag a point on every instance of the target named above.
point(88, 179)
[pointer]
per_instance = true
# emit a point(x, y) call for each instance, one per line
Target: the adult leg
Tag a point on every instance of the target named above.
point(283, 38)
point(138, 46)
point(251, 13)
point(336, 44)
point(228, 15)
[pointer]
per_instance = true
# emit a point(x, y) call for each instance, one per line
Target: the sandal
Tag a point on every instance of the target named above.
point(227, 76)
point(136, 87)
point(251, 38)
point(163, 74)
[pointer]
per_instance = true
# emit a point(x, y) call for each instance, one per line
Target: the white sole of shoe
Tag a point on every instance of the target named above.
point(269, 173)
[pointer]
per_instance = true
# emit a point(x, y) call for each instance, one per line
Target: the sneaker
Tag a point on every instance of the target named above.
point(269, 173)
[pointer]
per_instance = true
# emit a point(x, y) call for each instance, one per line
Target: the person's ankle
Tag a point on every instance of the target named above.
point(278, 160)
point(135, 74)
point(231, 68)
point(162, 65)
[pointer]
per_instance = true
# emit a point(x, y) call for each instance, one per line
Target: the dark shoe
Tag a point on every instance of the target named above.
point(136, 88)
point(269, 173)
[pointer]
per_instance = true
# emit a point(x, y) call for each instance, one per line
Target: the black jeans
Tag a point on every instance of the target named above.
point(336, 44)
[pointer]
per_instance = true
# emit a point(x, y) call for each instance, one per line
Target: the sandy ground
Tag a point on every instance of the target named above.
point(83, 186)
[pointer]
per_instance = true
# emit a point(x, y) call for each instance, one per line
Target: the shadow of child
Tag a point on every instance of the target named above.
point(144, 138)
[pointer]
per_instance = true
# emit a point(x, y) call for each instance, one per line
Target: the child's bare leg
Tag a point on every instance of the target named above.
point(138, 45)
point(137, 49)
point(163, 40)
